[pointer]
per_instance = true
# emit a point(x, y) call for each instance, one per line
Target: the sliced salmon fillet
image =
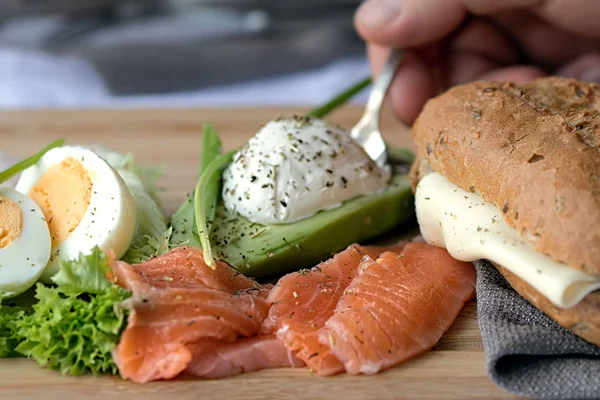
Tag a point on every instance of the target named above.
point(303, 301)
point(376, 251)
point(182, 267)
point(397, 307)
point(193, 304)
point(218, 360)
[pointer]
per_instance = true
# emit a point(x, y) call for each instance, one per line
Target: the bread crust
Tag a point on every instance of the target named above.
point(583, 319)
point(533, 150)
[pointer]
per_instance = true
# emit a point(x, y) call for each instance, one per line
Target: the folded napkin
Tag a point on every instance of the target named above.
point(527, 352)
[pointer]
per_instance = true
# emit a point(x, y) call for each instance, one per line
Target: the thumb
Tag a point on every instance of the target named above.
point(407, 23)
point(411, 23)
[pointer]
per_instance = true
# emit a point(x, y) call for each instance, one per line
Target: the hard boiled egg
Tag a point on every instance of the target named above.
point(295, 167)
point(24, 242)
point(85, 202)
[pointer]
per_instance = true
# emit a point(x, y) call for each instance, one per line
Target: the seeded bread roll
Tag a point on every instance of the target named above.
point(533, 150)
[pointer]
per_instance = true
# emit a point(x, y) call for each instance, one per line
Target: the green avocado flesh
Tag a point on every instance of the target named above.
point(262, 251)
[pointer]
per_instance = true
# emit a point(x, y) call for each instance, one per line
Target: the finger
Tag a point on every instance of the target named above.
point(413, 84)
point(412, 23)
point(542, 42)
point(585, 68)
point(576, 16)
point(463, 67)
point(475, 49)
point(482, 37)
point(516, 74)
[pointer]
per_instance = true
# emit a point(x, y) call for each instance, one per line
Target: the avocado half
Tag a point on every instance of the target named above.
point(261, 251)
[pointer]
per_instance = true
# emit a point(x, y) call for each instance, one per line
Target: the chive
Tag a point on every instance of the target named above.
point(211, 147)
point(28, 162)
point(340, 99)
point(183, 220)
point(206, 198)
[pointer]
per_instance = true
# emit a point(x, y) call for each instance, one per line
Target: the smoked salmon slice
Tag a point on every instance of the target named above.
point(177, 303)
point(303, 301)
point(182, 267)
point(397, 307)
point(364, 310)
point(220, 360)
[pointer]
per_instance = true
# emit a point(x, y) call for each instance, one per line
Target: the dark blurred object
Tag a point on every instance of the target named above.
point(153, 46)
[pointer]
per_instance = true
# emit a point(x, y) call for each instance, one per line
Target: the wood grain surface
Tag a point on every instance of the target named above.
point(454, 369)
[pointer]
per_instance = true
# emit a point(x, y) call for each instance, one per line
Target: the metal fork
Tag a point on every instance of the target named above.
point(366, 132)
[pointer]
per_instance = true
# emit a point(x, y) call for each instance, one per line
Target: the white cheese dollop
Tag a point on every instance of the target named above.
point(471, 229)
point(295, 167)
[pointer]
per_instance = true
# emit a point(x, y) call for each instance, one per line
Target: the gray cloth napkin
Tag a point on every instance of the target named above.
point(527, 353)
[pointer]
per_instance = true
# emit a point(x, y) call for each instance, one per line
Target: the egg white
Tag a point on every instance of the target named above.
point(110, 219)
point(23, 261)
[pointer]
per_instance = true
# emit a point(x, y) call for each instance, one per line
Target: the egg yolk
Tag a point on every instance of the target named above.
point(11, 221)
point(63, 193)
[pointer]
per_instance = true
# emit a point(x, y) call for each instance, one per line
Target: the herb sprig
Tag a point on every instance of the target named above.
point(28, 162)
point(206, 198)
point(340, 99)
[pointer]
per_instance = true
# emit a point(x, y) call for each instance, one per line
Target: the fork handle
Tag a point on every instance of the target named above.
point(382, 84)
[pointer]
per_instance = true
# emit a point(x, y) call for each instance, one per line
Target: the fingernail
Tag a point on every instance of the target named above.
point(378, 12)
point(591, 75)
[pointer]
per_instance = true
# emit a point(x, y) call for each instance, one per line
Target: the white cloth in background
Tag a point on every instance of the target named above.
point(33, 79)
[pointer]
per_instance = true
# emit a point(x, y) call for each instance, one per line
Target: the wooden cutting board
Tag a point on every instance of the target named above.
point(455, 368)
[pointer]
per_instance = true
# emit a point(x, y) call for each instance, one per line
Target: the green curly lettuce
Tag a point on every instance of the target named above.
point(72, 327)
point(12, 310)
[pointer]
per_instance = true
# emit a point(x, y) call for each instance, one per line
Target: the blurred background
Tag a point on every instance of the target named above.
point(163, 53)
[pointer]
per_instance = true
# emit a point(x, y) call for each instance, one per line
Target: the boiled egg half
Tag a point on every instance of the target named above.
point(84, 201)
point(24, 242)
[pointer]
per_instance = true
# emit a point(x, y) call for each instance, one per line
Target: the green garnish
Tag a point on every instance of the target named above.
point(28, 162)
point(340, 99)
point(86, 274)
point(206, 198)
point(11, 312)
point(72, 327)
point(183, 221)
point(211, 147)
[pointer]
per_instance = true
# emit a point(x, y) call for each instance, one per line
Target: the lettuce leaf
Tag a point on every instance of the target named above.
point(151, 226)
point(13, 310)
point(8, 329)
point(70, 334)
point(153, 247)
point(72, 327)
point(87, 274)
point(183, 223)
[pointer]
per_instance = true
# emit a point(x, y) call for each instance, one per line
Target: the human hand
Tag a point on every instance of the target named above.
point(457, 41)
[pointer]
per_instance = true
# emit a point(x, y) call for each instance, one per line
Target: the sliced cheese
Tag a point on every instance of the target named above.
point(471, 229)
